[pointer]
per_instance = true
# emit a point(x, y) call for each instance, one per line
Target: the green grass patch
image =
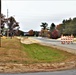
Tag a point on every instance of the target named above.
point(40, 53)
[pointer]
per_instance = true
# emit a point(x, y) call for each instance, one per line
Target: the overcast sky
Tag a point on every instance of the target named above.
point(31, 13)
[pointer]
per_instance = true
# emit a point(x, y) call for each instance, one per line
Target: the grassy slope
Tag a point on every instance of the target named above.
point(12, 51)
point(40, 53)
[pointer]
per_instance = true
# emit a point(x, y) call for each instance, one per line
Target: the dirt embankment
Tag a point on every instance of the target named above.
point(38, 67)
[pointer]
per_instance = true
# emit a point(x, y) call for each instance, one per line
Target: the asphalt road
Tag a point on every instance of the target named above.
point(68, 72)
point(56, 42)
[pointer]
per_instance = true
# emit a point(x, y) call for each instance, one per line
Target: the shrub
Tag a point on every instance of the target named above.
point(55, 34)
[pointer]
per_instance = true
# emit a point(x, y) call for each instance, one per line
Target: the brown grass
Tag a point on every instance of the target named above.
point(11, 51)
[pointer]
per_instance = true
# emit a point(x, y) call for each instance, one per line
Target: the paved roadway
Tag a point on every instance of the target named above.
point(56, 42)
point(67, 72)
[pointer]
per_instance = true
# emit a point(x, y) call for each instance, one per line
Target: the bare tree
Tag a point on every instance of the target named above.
point(13, 26)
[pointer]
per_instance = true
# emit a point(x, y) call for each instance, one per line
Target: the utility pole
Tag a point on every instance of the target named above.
point(7, 13)
point(0, 23)
point(7, 24)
